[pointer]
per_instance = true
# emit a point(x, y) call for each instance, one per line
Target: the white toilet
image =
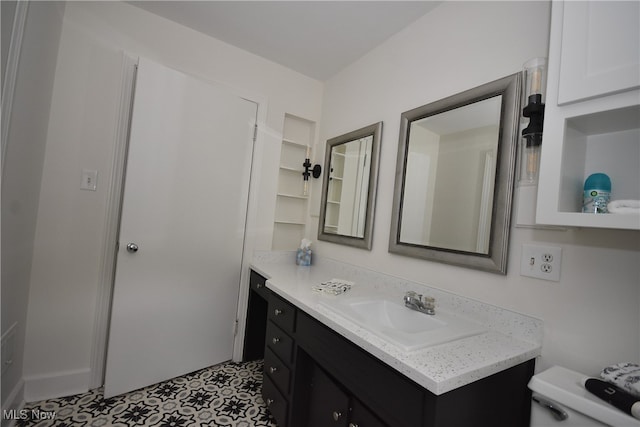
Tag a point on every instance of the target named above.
point(560, 400)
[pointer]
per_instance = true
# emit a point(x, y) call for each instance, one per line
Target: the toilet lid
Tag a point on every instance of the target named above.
point(564, 386)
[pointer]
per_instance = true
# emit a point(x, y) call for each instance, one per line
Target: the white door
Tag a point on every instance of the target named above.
point(184, 208)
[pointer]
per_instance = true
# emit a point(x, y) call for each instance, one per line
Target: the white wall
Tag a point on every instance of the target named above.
point(22, 174)
point(82, 132)
point(592, 315)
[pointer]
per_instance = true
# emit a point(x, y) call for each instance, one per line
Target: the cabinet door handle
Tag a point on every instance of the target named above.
point(275, 340)
point(269, 402)
point(336, 415)
point(273, 369)
point(353, 425)
point(259, 285)
point(277, 312)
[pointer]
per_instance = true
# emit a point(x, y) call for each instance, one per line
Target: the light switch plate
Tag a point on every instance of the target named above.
point(89, 180)
point(541, 262)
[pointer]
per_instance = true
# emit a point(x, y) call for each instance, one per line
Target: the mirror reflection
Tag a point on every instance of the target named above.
point(348, 195)
point(347, 192)
point(455, 175)
point(449, 178)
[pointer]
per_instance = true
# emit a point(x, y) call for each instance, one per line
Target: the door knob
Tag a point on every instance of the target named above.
point(132, 247)
point(336, 415)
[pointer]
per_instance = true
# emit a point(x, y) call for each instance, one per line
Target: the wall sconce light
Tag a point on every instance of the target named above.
point(315, 171)
point(535, 77)
point(308, 170)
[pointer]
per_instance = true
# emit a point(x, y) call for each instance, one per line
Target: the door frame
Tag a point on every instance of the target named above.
point(114, 208)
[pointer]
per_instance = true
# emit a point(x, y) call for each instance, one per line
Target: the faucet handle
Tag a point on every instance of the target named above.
point(410, 294)
point(429, 302)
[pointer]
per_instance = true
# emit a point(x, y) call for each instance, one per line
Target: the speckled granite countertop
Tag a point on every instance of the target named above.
point(511, 338)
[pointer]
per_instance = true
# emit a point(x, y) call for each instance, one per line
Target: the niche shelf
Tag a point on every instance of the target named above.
point(604, 141)
point(292, 204)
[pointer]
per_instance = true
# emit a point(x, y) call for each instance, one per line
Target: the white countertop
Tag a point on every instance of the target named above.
point(511, 338)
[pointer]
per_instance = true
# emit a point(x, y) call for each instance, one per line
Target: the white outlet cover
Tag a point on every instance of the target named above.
point(89, 180)
point(541, 262)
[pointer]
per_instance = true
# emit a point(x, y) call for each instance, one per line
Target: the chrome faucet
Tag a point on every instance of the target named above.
point(420, 303)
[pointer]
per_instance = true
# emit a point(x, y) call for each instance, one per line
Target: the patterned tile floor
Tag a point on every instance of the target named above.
point(226, 395)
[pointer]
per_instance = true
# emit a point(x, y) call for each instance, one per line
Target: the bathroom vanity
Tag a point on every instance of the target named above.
point(321, 368)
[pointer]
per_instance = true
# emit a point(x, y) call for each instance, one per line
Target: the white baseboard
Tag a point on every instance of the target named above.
point(51, 386)
point(14, 401)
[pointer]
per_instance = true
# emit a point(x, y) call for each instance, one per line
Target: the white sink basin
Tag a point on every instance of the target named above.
point(408, 329)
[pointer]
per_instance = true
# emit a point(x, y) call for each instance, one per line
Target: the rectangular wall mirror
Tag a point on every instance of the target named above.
point(455, 175)
point(349, 187)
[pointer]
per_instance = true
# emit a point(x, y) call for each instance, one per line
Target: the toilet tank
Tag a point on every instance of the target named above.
point(563, 387)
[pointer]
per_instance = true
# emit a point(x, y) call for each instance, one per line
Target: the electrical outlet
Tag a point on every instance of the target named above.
point(89, 180)
point(541, 262)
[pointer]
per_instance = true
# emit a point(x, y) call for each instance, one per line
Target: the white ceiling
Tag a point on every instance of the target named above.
point(315, 38)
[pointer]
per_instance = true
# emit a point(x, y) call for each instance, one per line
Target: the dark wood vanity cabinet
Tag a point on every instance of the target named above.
point(314, 377)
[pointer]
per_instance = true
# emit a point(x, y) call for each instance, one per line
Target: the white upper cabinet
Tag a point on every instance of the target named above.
point(600, 51)
point(592, 117)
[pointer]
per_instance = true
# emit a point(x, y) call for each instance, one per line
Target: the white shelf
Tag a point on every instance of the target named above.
point(290, 169)
point(294, 143)
point(291, 204)
point(598, 134)
point(292, 196)
point(289, 222)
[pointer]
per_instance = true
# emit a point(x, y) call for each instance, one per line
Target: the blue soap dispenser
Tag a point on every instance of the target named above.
point(597, 191)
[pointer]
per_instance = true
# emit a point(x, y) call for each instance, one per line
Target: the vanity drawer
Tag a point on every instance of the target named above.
point(276, 403)
point(282, 313)
point(259, 284)
point(279, 342)
point(277, 371)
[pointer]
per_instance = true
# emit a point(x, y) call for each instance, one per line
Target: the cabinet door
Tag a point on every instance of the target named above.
point(361, 416)
point(600, 49)
point(328, 404)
